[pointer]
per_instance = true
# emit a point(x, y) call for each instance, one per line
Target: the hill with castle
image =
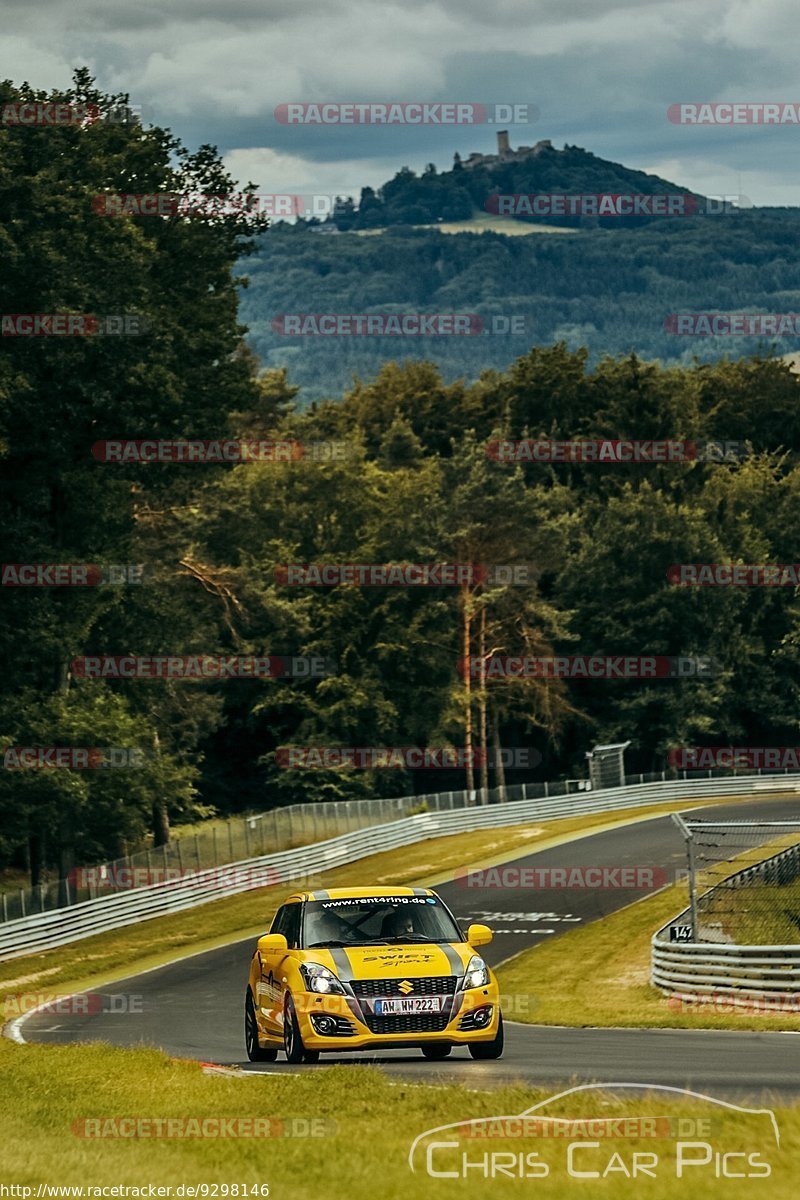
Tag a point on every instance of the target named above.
point(466, 189)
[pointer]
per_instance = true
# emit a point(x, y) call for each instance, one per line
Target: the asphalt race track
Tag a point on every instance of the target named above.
point(193, 1008)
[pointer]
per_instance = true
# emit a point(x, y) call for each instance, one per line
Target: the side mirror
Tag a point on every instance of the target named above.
point(479, 935)
point(271, 942)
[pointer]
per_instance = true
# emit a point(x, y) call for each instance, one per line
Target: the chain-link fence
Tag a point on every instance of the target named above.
point(744, 882)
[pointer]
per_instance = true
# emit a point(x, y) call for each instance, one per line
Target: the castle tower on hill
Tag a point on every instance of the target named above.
point(505, 153)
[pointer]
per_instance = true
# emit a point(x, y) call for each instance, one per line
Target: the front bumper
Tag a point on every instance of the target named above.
point(469, 1017)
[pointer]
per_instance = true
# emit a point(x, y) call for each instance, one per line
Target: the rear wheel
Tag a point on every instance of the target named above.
point(436, 1052)
point(254, 1051)
point(493, 1049)
point(293, 1046)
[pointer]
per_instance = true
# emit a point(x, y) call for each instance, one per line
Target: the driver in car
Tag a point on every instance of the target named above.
point(395, 924)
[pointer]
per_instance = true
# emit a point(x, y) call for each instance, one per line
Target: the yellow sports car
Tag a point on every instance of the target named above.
point(370, 969)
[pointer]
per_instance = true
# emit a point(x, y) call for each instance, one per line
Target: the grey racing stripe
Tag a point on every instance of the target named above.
point(454, 958)
point(342, 963)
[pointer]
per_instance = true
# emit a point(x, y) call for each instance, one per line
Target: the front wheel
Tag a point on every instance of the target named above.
point(254, 1051)
point(292, 1038)
point(493, 1049)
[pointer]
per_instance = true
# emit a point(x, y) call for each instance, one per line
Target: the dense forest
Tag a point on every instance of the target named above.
point(411, 481)
point(609, 290)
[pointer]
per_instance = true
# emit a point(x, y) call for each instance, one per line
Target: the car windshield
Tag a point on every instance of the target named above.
point(378, 919)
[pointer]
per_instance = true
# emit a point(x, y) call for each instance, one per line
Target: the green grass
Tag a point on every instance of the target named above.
point(369, 1125)
point(765, 914)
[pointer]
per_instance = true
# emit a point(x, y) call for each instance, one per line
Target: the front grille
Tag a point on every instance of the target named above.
point(407, 1022)
point(428, 985)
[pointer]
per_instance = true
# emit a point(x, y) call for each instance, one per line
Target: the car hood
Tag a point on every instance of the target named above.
point(395, 961)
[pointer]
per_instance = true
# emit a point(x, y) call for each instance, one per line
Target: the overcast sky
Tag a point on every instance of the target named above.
point(602, 74)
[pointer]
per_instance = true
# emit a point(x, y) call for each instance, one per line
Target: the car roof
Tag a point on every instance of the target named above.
point(362, 893)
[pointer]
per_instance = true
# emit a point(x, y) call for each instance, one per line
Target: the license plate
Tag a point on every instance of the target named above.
point(408, 1004)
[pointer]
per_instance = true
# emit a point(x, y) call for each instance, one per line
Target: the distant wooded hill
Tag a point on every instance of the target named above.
point(609, 289)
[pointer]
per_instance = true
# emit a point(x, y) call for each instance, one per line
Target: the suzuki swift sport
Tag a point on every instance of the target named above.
point(369, 969)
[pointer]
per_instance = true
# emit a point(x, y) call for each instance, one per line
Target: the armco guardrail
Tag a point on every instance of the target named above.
point(733, 972)
point(61, 926)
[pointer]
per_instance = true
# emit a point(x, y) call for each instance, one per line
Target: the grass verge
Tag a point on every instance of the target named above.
point(367, 1125)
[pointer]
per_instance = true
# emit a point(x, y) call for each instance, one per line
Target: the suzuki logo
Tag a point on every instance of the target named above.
point(405, 987)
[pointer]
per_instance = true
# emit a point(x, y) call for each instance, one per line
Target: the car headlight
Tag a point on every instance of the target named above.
point(477, 973)
point(319, 979)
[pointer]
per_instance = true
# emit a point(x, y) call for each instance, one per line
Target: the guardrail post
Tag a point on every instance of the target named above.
point(5, 907)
